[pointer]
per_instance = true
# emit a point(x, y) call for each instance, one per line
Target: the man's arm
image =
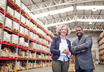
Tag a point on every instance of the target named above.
point(85, 45)
point(73, 47)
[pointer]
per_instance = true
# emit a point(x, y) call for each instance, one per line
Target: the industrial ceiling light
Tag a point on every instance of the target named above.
point(90, 22)
point(93, 8)
point(58, 11)
point(77, 20)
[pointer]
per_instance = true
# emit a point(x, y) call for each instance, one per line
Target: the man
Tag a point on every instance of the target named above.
point(81, 48)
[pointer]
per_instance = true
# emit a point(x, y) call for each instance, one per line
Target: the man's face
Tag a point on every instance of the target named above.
point(79, 31)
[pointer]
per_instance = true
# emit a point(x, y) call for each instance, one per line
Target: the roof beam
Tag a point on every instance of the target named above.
point(65, 3)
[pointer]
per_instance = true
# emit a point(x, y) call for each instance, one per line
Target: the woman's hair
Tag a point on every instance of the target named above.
point(58, 30)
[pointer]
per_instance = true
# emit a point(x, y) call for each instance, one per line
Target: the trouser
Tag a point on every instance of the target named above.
point(60, 66)
point(84, 70)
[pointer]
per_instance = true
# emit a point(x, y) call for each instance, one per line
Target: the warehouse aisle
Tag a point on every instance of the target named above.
point(99, 68)
point(44, 69)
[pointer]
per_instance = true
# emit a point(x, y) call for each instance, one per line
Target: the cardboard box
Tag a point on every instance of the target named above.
point(23, 20)
point(10, 10)
point(15, 26)
point(32, 45)
point(8, 22)
point(26, 32)
point(7, 37)
point(15, 39)
point(3, 4)
point(1, 18)
point(31, 25)
point(21, 41)
point(17, 15)
point(27, 22)
point(18, 2)
point(22, 30)
point(1, 31)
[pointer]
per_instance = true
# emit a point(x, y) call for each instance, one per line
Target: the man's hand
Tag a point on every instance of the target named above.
point(66, 51)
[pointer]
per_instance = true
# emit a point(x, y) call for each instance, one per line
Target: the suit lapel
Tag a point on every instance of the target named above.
point(80, 41)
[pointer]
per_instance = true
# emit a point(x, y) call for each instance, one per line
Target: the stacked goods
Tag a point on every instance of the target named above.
point(22, 30)
point(3, 53)
point(18, 2)
point(21, 41)
point(8, 22)
point(14, 38)
point(7, 52)
point(3, 4)
point(101, 48)
point(20, 65)
point(26, 44)
point(71, 68)
point(4, 68)
point(7, 37)
point(72, 64)
point(15, 26)
point(35, 27)
point(31, 35)
point(17, 15)
point(1, 18)
point(12, 34)
point(21, 54)
point(1, 34)
point(27, 22)
point(23, 19)
point(31, 25)
point(26, 32)
point(32, 45)
point(42, 55)
point(10, 11)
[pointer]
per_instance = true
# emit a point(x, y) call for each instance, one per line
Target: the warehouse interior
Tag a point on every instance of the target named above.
point(28, 26)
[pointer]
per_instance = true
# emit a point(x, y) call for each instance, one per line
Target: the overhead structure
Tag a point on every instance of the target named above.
point(86, 13)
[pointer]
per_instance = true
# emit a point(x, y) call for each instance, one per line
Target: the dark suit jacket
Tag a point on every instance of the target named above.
point(55, 47)
point(83, 59)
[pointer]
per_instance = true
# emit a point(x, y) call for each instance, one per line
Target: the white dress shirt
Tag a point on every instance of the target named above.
point(62, 46)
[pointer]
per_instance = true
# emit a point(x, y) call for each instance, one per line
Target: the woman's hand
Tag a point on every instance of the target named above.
point(66, 51)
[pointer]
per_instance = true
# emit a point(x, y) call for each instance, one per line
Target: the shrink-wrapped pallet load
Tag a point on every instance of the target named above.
point(18, 2)
point(23, 19)
point(8, 22)
point(15, 39)
point(27, 23)
point(1, 33)
point(15, 26)
point(31, 25)
point(17, 15)
point(26, 44)
point(3, 4)
point(32, 45)
point(10, 11)
point(26, 32)
point(21, 41)
point(7, 37)
point(22, 30)
point(1, 18)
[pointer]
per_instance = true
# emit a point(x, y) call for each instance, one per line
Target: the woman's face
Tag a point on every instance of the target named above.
point(63, 31)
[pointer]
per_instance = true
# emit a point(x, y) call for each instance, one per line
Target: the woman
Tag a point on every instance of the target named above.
point(60, 48)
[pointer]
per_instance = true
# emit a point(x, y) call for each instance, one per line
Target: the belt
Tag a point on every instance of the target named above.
point(62, 61)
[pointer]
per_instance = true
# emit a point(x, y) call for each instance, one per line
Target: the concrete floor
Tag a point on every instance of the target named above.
point(99, 68)
point(44, 69)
